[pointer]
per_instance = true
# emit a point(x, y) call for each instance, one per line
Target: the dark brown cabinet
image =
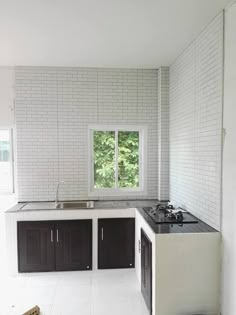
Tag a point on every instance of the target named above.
point(116, 243)
point(54, 245)
point(35, 246)
point(146, 270)
point(73, 245)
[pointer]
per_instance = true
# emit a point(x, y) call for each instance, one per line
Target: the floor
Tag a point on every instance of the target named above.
point(101, 292)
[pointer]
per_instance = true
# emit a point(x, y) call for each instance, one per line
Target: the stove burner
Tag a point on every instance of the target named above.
point(175, 216)
point(170, 215)
point(161, 214)
point(161, 207)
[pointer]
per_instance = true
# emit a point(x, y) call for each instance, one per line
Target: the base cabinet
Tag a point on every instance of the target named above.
point(116, 243)
point(73, 245)
point(146, 270)
point(35, 246)
point(54, 245)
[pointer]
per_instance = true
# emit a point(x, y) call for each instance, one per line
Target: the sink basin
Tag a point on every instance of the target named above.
point(75, 205)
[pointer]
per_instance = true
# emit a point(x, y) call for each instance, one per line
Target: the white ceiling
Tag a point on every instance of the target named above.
point(100, 33)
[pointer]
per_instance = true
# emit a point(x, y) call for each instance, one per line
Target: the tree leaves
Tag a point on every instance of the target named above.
point(104, 159)
point(128, 159)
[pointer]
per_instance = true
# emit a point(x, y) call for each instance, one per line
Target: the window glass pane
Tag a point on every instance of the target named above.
point(104, 159)
point(128, 159)
point(5, 161)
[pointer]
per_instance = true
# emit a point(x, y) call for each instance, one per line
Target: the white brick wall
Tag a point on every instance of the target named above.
point(196, 125)
point(53, 109)
point(163, 133)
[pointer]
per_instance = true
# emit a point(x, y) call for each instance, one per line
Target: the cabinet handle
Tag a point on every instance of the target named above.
point(51, 236)
point(102, 234)
point(57, 236)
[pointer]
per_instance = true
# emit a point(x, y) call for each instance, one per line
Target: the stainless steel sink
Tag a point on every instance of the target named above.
point(75, 205)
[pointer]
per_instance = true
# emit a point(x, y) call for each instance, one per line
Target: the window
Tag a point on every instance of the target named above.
point(6, 165)
point(116, 160)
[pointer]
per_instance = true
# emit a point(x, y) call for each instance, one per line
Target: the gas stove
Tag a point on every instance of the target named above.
point(167, 214)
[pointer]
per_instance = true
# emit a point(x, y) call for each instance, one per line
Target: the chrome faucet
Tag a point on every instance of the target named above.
point(57, 190)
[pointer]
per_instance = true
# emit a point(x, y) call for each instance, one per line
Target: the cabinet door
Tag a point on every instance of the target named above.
point(35, 246)
point(146, 270)
point(73, 244)
point(116, 243)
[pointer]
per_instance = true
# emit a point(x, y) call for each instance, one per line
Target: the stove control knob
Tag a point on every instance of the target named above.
point(179, 216)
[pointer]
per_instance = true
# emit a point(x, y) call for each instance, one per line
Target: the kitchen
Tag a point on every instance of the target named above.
point(98, 152)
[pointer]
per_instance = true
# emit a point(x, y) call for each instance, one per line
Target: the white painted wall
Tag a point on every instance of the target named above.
point(229, 166)
point(196, 125)
point(7, 95)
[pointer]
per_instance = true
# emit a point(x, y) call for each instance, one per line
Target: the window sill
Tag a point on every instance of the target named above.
point(118, 193)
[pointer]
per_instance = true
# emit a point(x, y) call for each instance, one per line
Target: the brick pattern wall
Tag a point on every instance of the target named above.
point(163, 133)
point(196, 125)
point(53, 109)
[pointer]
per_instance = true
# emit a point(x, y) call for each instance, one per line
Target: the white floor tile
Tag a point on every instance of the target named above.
point(75, 278)
point(74, 299)
point(114, 276)
point(121, 298)
point(101, 292)
point(41, 281)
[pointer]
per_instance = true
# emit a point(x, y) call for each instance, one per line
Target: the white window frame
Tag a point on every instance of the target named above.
point(141, 190)
point(12, 190)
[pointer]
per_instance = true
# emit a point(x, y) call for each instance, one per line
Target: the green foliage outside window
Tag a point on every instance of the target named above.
point(104, 159)
point(104, 146)
point(128, 159)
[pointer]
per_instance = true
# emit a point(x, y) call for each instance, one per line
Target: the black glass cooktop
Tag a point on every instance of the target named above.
point(170, 216)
